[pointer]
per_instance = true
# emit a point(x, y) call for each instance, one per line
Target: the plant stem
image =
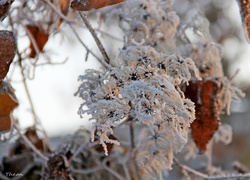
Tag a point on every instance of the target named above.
point(132, 140)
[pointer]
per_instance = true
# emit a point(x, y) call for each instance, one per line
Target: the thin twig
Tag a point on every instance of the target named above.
point(240, 168)
point(204, 176)
point(132, 138)
point(52, 63)
point(234, 75)
point(231, 176)
point(118, 176)
point(30, 99)
point(58, 12)
point(3, 177)
point(186, 168)
point(87, 56)
point(104, 33)
point(97, 40)
point(126, 171)
point(85, 171)
point(87, 49)
point(24, 171)
point(20, 60)
point(77, 36)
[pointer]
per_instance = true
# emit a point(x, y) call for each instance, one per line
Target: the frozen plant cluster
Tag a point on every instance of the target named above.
point(153, 21)
point(145, 90)
point(159, 57)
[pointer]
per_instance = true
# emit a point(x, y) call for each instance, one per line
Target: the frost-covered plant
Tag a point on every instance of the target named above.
point(154, 21)
point(145, 91)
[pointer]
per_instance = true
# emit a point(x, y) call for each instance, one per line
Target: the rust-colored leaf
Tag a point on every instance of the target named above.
point(39, 37)
point(83, 5)
point(7, 52)
point(64, 8)
point(7, 104)
point(206, 96)
point(4, 8)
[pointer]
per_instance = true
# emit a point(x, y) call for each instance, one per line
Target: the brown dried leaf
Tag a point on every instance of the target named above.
point(40, 38)
point(4, 8)
point(206, 96)
point(7, 104)
point(7, 52)
point(83, 5)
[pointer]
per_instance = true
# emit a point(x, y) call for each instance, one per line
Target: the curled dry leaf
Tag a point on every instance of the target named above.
point(206, 96)
point(83, 5)
point(4, 8)
point(39, 37)
point(7, 52)
point(7, 104)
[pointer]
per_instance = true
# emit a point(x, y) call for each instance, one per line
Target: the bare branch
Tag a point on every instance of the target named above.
point(58, 12)
point(97, 40)
point(118, 176)
point(85, 171)
point(186, 168)
point(232, 176)
point(106, 65)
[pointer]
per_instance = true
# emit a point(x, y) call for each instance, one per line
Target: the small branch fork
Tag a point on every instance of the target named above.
point(97, 40)
point(92, 31)
point(87, 49)
point(19, 60)
point(205, 176)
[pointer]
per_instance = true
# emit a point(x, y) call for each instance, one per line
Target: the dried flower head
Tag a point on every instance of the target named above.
point(143, 92)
